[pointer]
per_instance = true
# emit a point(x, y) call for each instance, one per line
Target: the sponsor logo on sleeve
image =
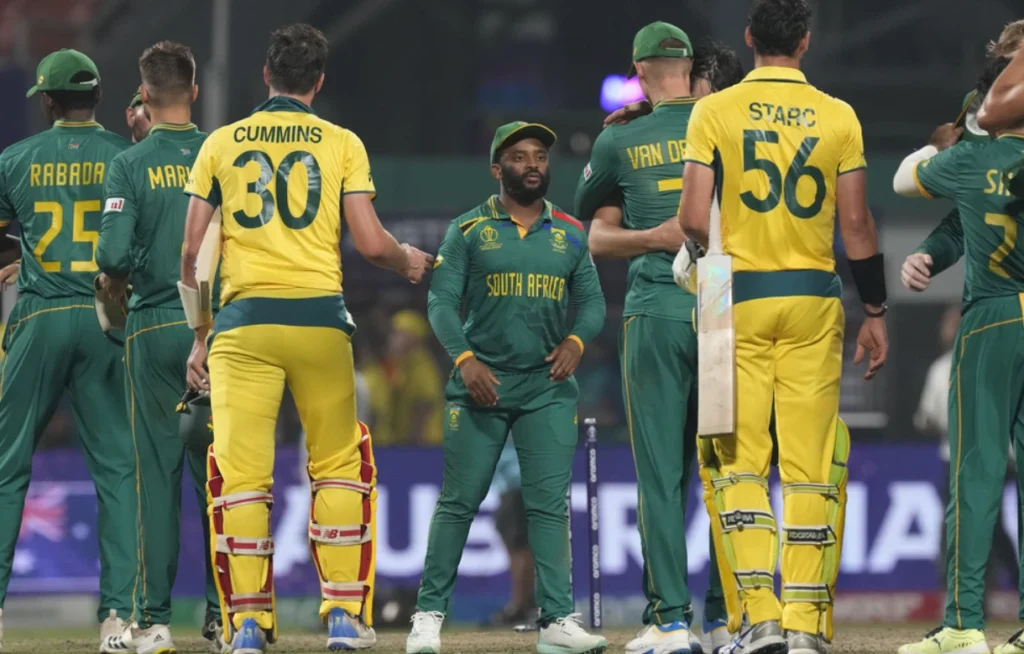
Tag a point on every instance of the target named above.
point(587, 172)
point(114, 204)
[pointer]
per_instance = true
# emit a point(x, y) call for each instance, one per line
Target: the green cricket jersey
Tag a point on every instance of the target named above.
point(643, 159)
point(144, 214)
point(973, 175)
point(517, 285)
point(52, 184)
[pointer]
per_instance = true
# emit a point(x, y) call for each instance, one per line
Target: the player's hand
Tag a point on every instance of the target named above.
point(114, 288)
point(873, 341)
point(197, 375)
point(564, 359)
point(631, 111)
point(916, 273)
point(480, 381)
point(945, 136)
point(9, 275)
point(668, 236)
point(419, 264)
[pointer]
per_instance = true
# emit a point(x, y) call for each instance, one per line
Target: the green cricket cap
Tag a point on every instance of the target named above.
point(647, 43)
point(510, 133)
point(57, 69)
point(136, 99)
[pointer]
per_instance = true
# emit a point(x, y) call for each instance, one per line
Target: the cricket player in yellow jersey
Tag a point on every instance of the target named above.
point(282, 178)
point(783, 158)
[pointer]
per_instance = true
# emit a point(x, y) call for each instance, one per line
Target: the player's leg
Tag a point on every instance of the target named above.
point(734, 470)
point(545, 433)
point(1015, 644)
point(659, 359)
point(33, 374)
point(246, 387)
point(156, 346)
point(342, 476)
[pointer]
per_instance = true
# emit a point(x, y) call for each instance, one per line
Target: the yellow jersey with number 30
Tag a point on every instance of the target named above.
point(279, 177)
point(777, 146)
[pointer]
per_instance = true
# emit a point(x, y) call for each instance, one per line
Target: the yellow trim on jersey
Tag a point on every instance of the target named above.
point(917, 182)
point(670, 184)
point(1011, 136)
point(776, 74)
point(462, 357)
point(174, 127)
point(468, 226)
point(684, 100)
point(579, 341)
point(76, 123)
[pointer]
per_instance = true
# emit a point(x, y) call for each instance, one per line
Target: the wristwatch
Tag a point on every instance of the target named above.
point(876, 314)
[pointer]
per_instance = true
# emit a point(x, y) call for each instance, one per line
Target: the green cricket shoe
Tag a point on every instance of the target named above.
point(945, 640)
point(1013, 646)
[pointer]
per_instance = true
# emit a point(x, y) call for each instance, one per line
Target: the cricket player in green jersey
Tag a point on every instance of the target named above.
point(642, 161)
point(140, 239)
point(52, 185)
point(518, 263)
point(986, 387)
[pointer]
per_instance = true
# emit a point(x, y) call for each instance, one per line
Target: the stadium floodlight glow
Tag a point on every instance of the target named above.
point(617, 91)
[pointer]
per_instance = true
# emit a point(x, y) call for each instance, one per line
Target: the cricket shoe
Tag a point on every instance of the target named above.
point(567, 636)
point(946, 639)
point(425, 637)
point(671, 638)
point(801, 642)
point(115, 635)
point(250, 639)
point(1013, 646)
point(213, 632)
point(154, 640)
point(763, 638)
point(716, 634)
point(345, 632)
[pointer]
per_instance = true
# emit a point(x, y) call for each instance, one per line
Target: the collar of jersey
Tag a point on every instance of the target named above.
point(1011, 136)
point(498, 212)
point(175, 128)
point(675, 102)
point(281, 103)
point(76, 123)
point(776, 74)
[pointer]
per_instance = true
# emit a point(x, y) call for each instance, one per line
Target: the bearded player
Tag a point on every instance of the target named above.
point(658, 345)
point(282, 178)
point(785, 158)
point(52, 185)
point(143, 224)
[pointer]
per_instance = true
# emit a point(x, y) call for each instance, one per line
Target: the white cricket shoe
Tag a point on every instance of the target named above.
point(801, 642)
point(347, 632)
point(671, 638)
point(213, 632)
point(567, 636)
point(762, 638)
point(154, 640)
point(115, 635)
point(425, 637)
point(716, 634)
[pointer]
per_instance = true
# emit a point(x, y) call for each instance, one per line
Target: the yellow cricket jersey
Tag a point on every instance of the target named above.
point(279, 177)
point(777, 145)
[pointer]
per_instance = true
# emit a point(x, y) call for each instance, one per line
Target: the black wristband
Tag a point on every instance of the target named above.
point(869, 278)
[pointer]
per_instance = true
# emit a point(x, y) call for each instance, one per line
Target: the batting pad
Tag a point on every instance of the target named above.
point(716, 347)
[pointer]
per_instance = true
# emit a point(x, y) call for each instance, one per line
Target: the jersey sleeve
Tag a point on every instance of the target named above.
point(945, 244)
point(120, 211)
point(852, 156)
point(447, 287)
point(203, 183)
point(357, 177)
point(600, 177)
point(937, 177)
point(701, 136)
point(6, 204)
point(587, 298)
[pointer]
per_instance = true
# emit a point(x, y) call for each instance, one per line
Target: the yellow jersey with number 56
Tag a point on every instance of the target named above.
point(279, 177)
point(777, 146)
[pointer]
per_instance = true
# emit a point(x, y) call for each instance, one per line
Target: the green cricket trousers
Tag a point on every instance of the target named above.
point(56, 345)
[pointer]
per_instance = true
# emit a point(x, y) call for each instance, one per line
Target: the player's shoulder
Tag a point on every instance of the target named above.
point(226, 133)
point(114, 140)
point(468, 221)
point(18, 149)
point(565, 221)
point(837, 106)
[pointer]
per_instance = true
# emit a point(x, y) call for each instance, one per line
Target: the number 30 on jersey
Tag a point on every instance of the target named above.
point(276, 201)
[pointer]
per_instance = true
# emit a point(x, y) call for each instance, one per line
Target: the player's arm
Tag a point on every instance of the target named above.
point(447, 289)
point(698, 176)
point(588, 301)
point(372, 241)
point(113, 250)
point(9, 248)
point(1003, 107)
point(931, 171)
point(943, 248)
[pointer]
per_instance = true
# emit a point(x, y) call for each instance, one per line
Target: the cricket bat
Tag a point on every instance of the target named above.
point(207, 262)
point(716, 337)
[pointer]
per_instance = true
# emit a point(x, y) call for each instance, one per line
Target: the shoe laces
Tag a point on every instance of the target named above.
point(427, 621)
point(571, 624)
